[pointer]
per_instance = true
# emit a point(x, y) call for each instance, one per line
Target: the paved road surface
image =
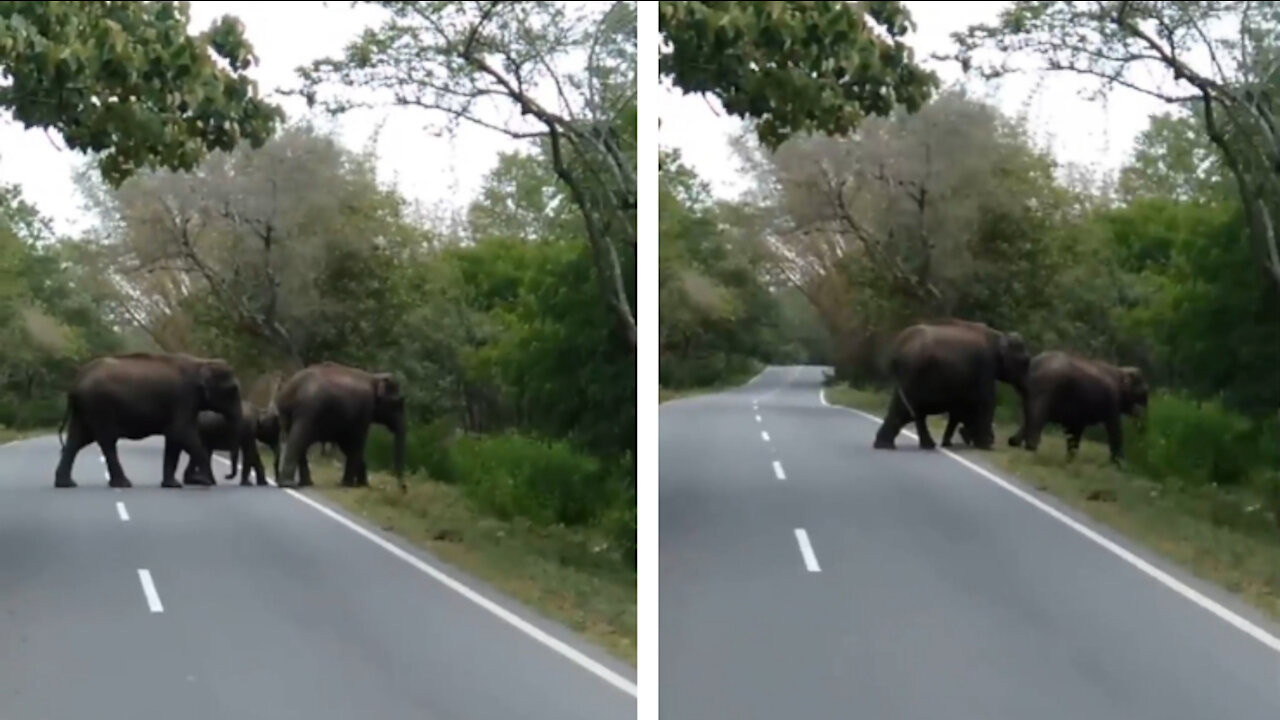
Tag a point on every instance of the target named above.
point(805, 575)
point(263, 607)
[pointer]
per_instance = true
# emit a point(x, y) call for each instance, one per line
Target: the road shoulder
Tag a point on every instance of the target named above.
point(1179, 533)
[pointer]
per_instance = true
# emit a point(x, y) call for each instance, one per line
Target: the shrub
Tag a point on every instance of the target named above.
point(1198, 442)
point(543, 481)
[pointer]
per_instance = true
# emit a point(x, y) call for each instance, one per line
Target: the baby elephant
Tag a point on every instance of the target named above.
point(256, 426)
point(955, 425)
point(1075, 393)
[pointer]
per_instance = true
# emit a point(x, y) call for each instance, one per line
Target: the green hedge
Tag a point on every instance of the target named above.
point(547, 482)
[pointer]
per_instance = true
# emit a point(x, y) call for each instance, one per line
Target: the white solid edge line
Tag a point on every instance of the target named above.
point(122, 512)
point(777, 470)
point(149, 589)
point(806, 551)
point(765, 435)
point(516, 621)
point(1128, 556)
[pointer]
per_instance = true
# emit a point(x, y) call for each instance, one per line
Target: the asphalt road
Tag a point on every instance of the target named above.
point(259, 605)
point(806, 575)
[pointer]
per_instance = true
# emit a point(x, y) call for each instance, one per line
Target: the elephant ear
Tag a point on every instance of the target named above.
point(216, 379)
point(386, 387)
point(1013, 341)
point(1133, 379)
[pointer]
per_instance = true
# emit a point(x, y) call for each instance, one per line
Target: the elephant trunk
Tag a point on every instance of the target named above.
point(399, 431)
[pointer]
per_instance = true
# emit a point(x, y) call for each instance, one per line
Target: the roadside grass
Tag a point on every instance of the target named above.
point(8, 434)
point(1221, 534)
point(666, 394)
point(558, 571)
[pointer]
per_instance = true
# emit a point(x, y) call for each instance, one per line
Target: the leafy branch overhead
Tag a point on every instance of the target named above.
point(795, 67)
point(530, 70)
point(125, 81)
point(1218, 59)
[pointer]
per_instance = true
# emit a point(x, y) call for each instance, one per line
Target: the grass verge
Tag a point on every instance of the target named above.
point(1223, 535)
point(666, 394)
point(556, 570)
point(8, 434)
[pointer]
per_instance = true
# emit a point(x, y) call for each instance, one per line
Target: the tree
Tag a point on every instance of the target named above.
point(795, 67)
point(948, 211)
point(456, 58)
point(123, 80)
point(253, 229)
point(1223, 58)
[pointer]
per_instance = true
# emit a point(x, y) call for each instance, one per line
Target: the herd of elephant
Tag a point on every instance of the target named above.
point(951, 368)
point(196, 405)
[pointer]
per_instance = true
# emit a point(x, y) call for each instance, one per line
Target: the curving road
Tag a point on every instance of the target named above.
point(804, 574)
point(252, 602)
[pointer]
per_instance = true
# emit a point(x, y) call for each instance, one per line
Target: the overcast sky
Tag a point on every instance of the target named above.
point(424, 167)
point(1076, 129)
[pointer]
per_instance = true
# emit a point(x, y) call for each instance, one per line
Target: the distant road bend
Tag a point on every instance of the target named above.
point(806, 575)
point(250, 602)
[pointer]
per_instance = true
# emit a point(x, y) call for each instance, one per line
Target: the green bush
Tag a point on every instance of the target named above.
point(426, 450)
point(705, 370)
point(1199, 443)
point(544, 481)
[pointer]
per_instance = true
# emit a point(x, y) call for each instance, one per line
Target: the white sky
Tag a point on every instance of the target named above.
point(425, 167)
point(1076, 129)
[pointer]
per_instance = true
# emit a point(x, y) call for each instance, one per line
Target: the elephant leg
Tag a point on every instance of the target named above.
point(1073, 441)
point(252, 461)
point(172, 450)
point(235, 461)
point(1114, 438)
point(189, 473)
point(348, 468)
point(115, 471)
point(894, 420)
point(1037, 416)
point(304, 471)
point(952, 422)
point(922, 431)
point(353, 473)
point(275, 460)
point(189, 440)
point(362, 471)
point(77, 437)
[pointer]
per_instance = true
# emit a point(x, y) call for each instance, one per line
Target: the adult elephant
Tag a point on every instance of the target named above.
point(257, 425)
point(333, 403)
point(137, 395)
point(1076, 392)
point(951, 368)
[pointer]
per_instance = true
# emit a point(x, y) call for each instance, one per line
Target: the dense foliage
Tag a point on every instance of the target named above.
point(124, 80)
point(794, 67)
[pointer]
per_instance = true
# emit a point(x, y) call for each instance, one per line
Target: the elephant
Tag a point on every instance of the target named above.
point(951, 368)
point(1076, 392)
point(136, 395)
point(256, 426)
point(330, 402)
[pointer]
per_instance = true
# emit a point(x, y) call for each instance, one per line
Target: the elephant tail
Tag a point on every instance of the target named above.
point(905, 402)
point(65, 415)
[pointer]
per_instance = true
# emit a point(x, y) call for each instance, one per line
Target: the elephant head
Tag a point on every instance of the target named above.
point(220, 393)
point(1133, 392)
point(388, 410)
point(1013, 361)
